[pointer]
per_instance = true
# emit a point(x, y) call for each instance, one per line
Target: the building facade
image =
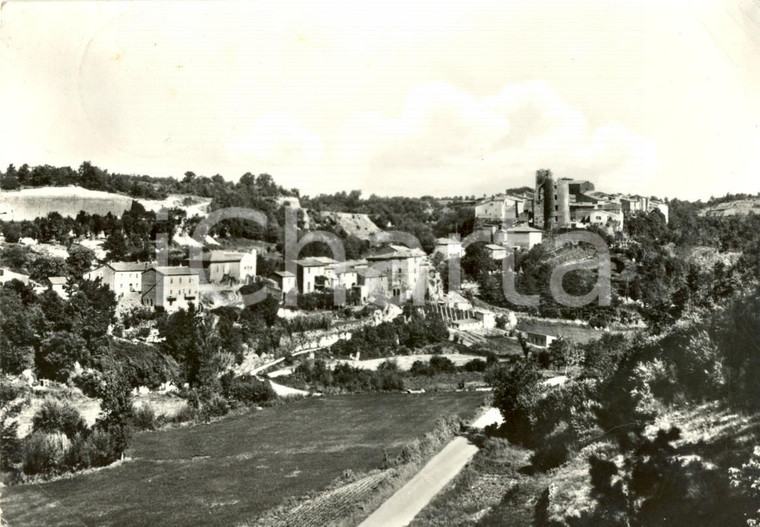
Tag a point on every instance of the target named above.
point(171, 288)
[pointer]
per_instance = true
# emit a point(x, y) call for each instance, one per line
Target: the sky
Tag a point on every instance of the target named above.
point(416, 98)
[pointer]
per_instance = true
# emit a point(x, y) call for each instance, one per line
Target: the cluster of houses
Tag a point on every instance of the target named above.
point(393, 272)
point(560, 203)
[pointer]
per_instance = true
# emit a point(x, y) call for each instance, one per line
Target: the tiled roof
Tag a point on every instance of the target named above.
point(175, 271)
point(129, 266)
point(222, 256)
point(285, 274)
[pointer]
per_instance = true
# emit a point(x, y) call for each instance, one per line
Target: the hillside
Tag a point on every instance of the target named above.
point(354, 224)
point(739, 207)
point(31, 203)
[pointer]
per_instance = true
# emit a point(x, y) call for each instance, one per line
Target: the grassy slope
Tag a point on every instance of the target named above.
point(237, 468)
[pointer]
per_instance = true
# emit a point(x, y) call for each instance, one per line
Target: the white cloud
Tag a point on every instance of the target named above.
point(491, 142)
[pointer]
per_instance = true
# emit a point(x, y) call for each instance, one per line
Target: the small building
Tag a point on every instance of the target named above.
point(314, 274)
point(123, 278)
point(404, 269)
point(541, 340)
point(467, 324)
point(286, 281)
point(579, 186)
point(486, 317)
point(497, 252)
point(6, 275)
point(524, 237)
point(228, 265)
point(448, 248)
point(371, 284)
point(58, 284)
point(605, 219)
point(171, 288)
point(455, 300)
point(660, 206)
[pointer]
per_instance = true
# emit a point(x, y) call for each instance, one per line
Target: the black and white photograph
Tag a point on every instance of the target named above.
point(380, 264)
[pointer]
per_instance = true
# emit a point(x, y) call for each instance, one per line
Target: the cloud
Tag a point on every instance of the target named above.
point(491, 141)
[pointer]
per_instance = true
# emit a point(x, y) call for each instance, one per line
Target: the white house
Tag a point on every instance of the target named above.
point(286, 281)
point(542, 340)
point(524, 237)
point(314, 273)
point(57, 284)
point(170, 287)
point(448, 248)
point(221, 265)
point(497, 252)
point(124, 278)
point(404, 269)
point(499, 208)
point(6, 275)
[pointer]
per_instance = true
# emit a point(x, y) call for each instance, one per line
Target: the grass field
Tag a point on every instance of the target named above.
point(239, 467)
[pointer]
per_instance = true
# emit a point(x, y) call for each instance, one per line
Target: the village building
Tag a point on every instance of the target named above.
point(371, 284)
point(171, 288)
point(404, 269)
point(6, 275)
point(541, 340)
point(486, 318)
point(497, 252)
point(500, 208)
point(448, 248)
point(524, 237)
point(314, 273)
point(123, 278)
point(286, 281)
point(612, 221)
point(220, 266)
point(58, 284)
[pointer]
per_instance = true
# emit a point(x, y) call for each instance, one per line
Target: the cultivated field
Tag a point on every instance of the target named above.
point(235, 469)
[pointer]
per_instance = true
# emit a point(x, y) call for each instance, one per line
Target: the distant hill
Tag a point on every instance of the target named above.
point(739, 207)
point(32, 203)
point(355, 224)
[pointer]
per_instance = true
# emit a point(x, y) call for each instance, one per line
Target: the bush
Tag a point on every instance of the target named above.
point(215, 406)
point(475, 365)
point(144, 418)
point(250, 390)
point(58, 417)
point(89, 382)
point(45, 453)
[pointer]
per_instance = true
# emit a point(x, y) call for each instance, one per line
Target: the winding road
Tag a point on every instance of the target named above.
point(401, 508)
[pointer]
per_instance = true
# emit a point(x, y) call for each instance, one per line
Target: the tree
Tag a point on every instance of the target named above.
point(45, 266)
point(517, 389)
point(747, 479)
point(58, 353)
point(116, 246)
point(79, 260)
point(477, 261)
point(116, 412)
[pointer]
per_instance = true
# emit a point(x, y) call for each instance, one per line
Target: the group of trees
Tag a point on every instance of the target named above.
point(415, 330)
point(623, 385)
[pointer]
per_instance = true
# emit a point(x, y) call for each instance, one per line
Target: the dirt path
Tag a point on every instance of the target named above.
point(401, 508)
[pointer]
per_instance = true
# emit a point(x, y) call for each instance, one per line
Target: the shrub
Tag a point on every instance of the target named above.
point(58, 417)
point(250, 390)
point(475, 365)
point(215, 406)
point(45, 453)
point(185, 414)
point(89, 382)
point(411, 453)
point(144, 418)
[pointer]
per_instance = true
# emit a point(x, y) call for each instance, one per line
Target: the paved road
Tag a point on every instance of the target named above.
point(401, 508)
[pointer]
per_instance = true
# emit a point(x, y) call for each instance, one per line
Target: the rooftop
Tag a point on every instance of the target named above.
point(58, 280)
point(524, 228)
point(175, 271)
point(222, 256)
point(285, 274)
point(128, 266)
